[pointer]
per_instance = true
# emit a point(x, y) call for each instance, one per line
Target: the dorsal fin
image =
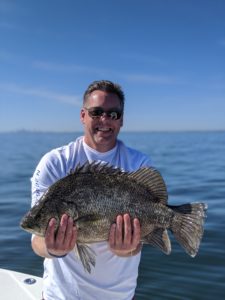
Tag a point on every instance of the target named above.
point(148, 177)
point(152, 179)
point(97, 167)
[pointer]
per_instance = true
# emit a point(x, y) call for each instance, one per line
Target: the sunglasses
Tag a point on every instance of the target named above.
point(97, 112)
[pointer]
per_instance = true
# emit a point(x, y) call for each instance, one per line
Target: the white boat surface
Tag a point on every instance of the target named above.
point(19, 286)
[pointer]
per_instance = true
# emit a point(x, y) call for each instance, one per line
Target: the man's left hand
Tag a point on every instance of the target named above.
point(124, 236)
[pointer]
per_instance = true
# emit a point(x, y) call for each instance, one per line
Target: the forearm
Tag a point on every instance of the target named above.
point(39, 246)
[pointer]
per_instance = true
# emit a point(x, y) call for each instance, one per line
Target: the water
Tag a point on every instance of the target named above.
point(193, 166)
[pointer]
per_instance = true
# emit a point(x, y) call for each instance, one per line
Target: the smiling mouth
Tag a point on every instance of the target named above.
point(104, 129)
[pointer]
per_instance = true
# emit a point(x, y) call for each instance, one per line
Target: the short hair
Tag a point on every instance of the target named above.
point(106, 86)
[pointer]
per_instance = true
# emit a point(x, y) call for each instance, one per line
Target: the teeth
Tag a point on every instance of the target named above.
point(103, 129)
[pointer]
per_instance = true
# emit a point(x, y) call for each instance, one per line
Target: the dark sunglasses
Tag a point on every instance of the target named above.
point(97, 112)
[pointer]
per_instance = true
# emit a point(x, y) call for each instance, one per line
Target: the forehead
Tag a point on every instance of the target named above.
point(103, 99)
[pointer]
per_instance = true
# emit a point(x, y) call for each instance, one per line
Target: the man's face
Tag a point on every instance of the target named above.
point(101, 132)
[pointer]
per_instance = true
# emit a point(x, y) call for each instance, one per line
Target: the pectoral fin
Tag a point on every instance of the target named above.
point(86, 255)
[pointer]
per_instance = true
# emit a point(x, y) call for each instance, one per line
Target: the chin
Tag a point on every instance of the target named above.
point(104, 144)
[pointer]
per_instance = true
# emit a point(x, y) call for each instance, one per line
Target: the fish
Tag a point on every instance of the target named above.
point(94, 194)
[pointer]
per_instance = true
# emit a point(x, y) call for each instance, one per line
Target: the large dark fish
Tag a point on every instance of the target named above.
point(94, 194)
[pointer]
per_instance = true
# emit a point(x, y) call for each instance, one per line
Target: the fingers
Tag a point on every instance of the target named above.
point(64, 240)
point(65, 230)
point(50, 233)
point(125, 234)
point(116, 234)
point(127, 230)
point(136, 232)
point(119, 231)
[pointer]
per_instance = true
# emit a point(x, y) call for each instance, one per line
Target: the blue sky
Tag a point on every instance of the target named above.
point(168, 55)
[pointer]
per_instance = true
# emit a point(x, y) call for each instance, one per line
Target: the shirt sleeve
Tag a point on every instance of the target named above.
point(145, 161)
point(49, 170)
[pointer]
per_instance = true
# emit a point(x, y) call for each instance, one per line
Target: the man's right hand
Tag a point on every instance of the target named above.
point(58, 244)
point(64, 240)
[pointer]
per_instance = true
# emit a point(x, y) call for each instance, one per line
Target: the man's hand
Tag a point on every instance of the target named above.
point(124, 236)
point(64, 240)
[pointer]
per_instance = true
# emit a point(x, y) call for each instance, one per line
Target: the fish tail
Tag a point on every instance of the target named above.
point(187, 225)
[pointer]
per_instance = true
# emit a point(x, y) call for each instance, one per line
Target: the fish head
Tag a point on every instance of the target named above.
point(35, 221)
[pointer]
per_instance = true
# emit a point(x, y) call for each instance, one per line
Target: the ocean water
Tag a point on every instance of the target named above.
point(193, 166)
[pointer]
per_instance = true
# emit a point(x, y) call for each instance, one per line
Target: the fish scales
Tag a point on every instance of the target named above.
point(95, 194)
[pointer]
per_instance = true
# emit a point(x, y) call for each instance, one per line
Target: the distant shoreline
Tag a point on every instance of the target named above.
point(122, 132)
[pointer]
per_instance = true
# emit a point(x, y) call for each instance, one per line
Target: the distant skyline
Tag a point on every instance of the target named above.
point(168, 56)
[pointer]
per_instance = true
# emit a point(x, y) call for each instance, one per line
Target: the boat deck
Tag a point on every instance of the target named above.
point(19, 286)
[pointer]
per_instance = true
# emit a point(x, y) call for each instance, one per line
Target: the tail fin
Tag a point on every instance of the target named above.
point(187, 225)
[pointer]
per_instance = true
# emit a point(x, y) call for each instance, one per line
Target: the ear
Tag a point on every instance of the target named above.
point(82, 115)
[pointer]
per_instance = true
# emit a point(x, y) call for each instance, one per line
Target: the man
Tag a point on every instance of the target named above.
point(117, 260)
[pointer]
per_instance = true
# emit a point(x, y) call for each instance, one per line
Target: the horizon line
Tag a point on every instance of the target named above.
point(122, 131)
